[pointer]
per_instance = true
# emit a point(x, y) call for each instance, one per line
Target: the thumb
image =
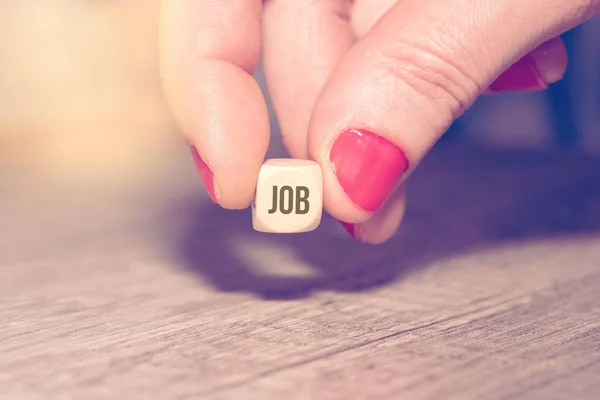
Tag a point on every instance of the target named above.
point(399, 88)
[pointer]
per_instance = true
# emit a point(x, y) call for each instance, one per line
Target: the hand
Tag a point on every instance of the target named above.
point(366, 88)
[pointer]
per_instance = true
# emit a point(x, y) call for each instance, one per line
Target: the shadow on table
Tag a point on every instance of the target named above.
point(461, 200)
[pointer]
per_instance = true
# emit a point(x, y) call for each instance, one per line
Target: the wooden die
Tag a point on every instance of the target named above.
point(289, 196)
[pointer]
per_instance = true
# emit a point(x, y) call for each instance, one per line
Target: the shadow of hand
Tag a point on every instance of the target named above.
point(460, 199)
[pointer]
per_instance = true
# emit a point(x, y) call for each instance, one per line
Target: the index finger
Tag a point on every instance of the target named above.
point(208, 52)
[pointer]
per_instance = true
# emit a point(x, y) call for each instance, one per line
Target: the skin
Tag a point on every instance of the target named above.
point(337, 64)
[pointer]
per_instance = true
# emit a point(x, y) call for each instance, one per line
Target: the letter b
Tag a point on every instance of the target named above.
point(302, 204)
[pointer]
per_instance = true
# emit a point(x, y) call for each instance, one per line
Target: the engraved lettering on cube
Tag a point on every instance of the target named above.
point(284, 199)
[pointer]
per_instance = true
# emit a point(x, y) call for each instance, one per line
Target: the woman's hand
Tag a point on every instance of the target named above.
point(364, 87)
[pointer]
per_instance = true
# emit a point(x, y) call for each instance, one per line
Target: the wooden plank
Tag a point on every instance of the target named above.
point(489, 291)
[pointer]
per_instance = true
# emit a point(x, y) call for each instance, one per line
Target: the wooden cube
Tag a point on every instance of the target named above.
point(289, 196)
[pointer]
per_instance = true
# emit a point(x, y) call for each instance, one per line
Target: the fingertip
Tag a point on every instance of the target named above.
point(535, 71)
point(551, 60)
point(362, 170)
point(383, 224)
point(226, 119)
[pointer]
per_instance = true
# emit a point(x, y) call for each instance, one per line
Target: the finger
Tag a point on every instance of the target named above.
point(303, 42)
point(209, 50)
point(545, 65)
point(399, 88)
point(384, 223)
point(550, 59)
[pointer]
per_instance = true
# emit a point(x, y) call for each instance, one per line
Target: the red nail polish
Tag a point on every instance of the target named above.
point(348, 227)
point(521, 76)
point(205, 173)
point(367, 167)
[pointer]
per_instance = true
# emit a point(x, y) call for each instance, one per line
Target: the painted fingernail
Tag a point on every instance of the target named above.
point(535, 71)
point(367, 167)
point(205, 173)
point(350, 228)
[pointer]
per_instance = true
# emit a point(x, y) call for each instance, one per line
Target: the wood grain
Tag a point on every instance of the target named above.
point(490, 291)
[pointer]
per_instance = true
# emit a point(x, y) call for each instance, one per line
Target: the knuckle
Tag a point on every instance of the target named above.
point(429, 73)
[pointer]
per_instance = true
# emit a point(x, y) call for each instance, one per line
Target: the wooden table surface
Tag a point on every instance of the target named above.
point(490, 291)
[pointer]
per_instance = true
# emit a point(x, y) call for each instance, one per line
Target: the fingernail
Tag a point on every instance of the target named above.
point(543, 66)
point(205, 173)
point(367, 167)
point(350, 228)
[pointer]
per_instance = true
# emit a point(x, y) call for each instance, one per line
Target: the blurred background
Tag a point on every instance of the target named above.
point(80, 101)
